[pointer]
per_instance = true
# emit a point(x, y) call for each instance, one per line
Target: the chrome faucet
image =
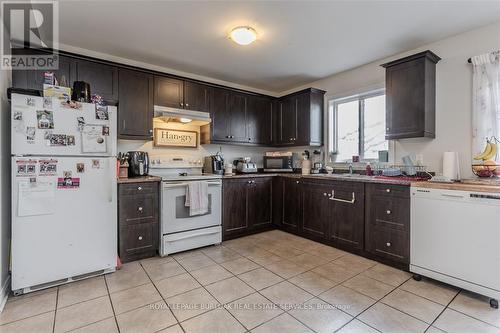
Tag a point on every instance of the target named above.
point(350, 169)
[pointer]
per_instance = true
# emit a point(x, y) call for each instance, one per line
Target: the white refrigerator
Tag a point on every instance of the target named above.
point(64, 215)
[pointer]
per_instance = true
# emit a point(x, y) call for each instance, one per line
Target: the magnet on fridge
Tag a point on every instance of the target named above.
point(30, 101)
point(68, 182)
point(18, 115)
point(105, 130)
point(70, 140)
point(101, 112)
point(80, 123)
point(30, 134)
point(67, 174)
point(80, 167)
point(96, 164)
point(45, 119)
point(47, 102)
point(47, 167)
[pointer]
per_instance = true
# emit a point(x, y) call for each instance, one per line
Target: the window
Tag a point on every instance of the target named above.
point(357, 126)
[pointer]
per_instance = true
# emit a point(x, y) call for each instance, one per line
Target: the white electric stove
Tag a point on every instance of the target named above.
point(180, 231)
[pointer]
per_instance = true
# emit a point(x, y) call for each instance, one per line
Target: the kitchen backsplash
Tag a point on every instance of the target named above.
point(230, 152)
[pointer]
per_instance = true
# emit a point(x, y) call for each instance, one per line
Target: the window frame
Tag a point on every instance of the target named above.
point(333, 122)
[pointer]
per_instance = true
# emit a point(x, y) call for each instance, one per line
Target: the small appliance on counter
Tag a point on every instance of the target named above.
point(81, 92)
point(318, 166)
point(138, 163)
point(278, 161)
point(214, 164)
point(244, 165)
point(306, 163)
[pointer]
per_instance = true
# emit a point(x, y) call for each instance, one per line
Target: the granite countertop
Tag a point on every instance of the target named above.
point(354, 178)
point(141, 179)
point(465, 185)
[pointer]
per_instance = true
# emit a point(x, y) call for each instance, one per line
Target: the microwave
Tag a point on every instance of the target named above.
point(278, 163)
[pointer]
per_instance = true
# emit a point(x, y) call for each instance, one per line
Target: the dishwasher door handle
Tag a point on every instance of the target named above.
point(452, 195)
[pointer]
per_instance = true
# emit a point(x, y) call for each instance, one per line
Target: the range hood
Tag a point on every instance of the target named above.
point(181, 116)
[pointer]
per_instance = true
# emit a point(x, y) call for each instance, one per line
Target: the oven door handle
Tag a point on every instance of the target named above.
point(194, 235)
point(172, 185)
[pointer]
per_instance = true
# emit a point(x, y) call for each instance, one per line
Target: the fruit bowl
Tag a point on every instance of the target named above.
point(486, 170)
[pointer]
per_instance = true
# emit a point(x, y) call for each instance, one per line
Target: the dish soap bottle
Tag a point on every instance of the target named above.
point(368, 170)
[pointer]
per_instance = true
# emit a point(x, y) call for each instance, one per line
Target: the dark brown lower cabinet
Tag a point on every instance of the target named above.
point(387, 222)
point(138, 220)
point(347, 225)
point(291, 204)
point(366, 219)
point(316, 210)
point(247, 206)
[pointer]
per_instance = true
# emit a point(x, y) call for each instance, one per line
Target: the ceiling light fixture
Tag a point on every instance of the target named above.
point(243, 35)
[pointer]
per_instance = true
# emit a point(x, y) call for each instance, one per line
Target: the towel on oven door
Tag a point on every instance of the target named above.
point(197, 198)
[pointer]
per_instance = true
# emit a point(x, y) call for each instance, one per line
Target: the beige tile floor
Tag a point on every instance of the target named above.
point(269, 282)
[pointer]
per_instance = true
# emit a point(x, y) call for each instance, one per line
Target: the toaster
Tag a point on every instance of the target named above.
point(245, 166)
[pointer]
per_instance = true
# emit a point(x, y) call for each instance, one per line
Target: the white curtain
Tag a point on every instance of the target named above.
point(485, 99)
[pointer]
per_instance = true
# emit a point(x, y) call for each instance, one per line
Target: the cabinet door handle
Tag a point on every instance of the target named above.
point(388, 212)
point(139, 209)
point(181, 104)
point(324, 194)
point(297, 181)
point(249, 182)
point(353, 200)
point(139, 238)
point(388, 244)
point(139, 188)
point(187, 104)
point(150, 131)
point(249, 139)
point(388, 190)
point(387, 128)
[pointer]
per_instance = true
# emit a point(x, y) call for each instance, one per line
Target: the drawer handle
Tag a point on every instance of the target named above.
point(388, 212)
point(139, 209)
point(388, 190)
point(388, 244)
point(139, 238)
point(353, 200)
point(139, 188)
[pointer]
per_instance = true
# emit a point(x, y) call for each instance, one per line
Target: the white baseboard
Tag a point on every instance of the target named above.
point(4, 293)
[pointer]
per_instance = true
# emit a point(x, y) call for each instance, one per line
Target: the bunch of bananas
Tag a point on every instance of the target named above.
point(489, 152)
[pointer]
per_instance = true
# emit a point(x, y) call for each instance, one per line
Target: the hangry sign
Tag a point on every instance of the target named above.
point(175, 138)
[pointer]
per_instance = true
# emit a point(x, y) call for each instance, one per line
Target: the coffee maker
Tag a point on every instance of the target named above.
point(138, 162)
point(214, 164)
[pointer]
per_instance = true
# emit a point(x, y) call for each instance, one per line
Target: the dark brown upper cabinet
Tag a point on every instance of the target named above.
point(135, 109)
point(299, 119)
point(238, 103)
point(238, 118)
point(169, 92)
point(103, 78)
point(33, 79)
point(196, 96)
point(176, 93)
point(411, 96)
point(259, 119)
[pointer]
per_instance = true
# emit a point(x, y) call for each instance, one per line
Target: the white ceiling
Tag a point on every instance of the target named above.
point(299, 41)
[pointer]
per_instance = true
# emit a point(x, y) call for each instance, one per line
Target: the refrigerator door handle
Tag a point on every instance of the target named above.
point(112, 175)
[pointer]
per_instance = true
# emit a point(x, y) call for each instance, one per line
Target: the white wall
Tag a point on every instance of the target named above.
point(5, 82)
point(453, 94)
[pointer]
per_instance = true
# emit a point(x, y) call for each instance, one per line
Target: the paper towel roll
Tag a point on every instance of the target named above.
point(451, 167)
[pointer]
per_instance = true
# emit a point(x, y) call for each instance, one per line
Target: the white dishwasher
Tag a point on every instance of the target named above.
point(455, 238)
